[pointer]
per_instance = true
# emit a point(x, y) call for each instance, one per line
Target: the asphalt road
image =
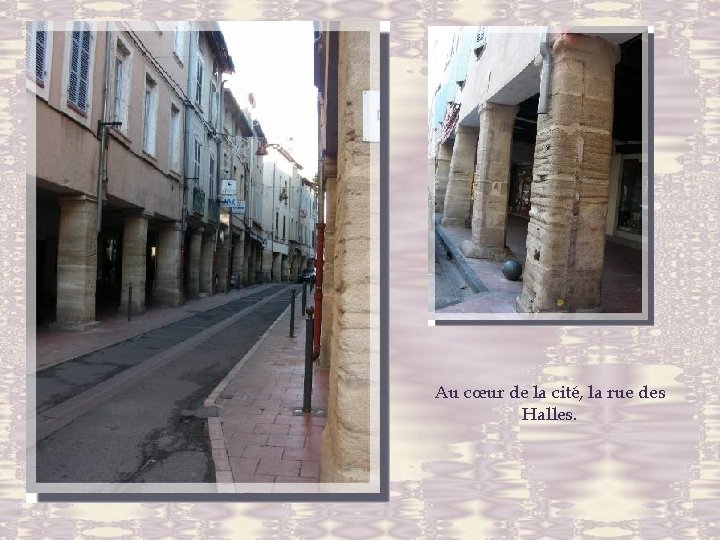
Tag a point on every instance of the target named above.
point(153, 430)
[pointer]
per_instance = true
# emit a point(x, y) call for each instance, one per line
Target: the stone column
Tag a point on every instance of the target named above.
point(266, 265)
point(571, 175)
point(456, 210)
point(206, 264)
point(347, 438)
point(284, 267)
point(492, 183)
point(134, 263)
point(196, 241)
point(442, 171)
point(76, 264)
point(168, 284)
point(328, 265)
point(223, 263)
point(238, 261)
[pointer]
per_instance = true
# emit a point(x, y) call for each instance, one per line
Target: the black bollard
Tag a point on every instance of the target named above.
point(129, 301)
point(304, 295)
point(307, 384)
point(292, 312)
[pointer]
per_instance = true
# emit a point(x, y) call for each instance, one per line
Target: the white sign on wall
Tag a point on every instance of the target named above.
point(228, 187)
point(371, 116)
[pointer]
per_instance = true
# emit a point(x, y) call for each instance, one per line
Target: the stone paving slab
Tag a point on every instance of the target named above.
point(257, 440)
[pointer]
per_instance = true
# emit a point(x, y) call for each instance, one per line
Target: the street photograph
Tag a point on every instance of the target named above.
point(204, 312)
point(538, 174)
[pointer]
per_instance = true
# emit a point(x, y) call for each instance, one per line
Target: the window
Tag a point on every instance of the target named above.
point(211, 107)
point(283, 236)
point(179, 41)
point(150, 115)
point(122, 85)
point(479, 41)
point(277, 219)
point(199, 81)
point(174, 138)
point(197, 160)
point(79, 79)
point(36, 38)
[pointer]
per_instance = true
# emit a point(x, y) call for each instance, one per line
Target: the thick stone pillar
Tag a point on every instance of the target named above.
point(442, 172)
point(275, 268)
point(76, 264)
point(168, 284)
point(223, 264)
point(284, 268)
point(134, 263)
point(492, 183)
point(456, 210)
point(347, 438)
point(266, 265)
point(238, 259)
point(571, 175)
point(196, 241)
point(206, 264)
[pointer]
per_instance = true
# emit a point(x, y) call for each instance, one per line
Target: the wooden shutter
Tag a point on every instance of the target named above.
point(79, 79)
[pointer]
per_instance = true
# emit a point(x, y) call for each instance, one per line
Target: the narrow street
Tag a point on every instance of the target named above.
point(133, 412)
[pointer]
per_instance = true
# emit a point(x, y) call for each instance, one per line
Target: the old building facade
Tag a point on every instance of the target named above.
point(128, 206)
point(548, 127)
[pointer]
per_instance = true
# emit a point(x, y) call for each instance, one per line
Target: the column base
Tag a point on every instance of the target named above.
point(167, 298)
point(453, 222)
point(472, 251)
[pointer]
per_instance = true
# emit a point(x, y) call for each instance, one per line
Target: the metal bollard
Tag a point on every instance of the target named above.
point(304, 295)
point(307, 384)
point(292, 312)
point(129, 301)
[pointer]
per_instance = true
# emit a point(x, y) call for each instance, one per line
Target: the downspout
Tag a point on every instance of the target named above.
point(319, 263)
point(546, 53)
point(186, 163)
point(103, 127)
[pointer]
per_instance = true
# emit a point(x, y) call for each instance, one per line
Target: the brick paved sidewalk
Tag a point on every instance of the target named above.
point(256, 438)
point(54, 347)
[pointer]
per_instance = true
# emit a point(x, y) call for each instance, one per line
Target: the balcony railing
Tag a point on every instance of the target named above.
point(213, 210)
point(198, 201)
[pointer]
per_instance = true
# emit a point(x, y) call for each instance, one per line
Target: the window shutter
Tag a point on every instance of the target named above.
point(74, 68)
point(84, 70)
point(40, 45)
point(29, 56)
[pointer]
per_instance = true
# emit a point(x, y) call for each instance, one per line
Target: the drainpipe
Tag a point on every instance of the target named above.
point(186, 161)
point(546, 53)
point(102, 126)
point(319, 247)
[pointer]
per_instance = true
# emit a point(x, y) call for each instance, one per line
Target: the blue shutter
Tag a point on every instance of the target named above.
point(83, 83)
point(74, 68)
point(80, 68)
point(40, 45)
